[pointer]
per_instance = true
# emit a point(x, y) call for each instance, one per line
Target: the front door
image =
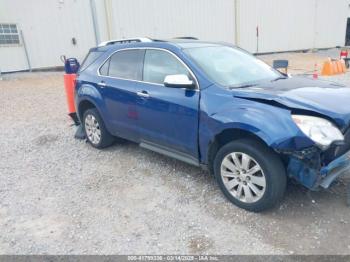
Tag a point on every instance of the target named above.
point(168, 117)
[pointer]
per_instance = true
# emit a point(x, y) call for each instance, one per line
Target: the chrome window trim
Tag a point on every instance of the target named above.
point(140, 81)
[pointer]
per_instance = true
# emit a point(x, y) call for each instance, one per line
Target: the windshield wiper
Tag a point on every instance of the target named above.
point(279, 78)
point(242, 86)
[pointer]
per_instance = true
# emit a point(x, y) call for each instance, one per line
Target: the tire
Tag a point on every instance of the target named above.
point(260, 186)
point(95, 129)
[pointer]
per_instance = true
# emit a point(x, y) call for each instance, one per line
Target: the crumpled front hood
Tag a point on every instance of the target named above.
point(322, 97)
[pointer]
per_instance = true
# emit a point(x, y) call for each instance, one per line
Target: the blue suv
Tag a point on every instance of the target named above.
point(215, 106)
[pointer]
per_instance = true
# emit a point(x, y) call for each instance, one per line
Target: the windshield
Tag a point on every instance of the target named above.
point(230, 66)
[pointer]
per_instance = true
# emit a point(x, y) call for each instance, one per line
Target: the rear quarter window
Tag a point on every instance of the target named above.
point(89, 59)
point(104, 68)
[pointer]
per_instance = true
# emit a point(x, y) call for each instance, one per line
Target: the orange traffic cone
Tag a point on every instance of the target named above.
point(335, 68)
point(327, 68)
point(339, 67)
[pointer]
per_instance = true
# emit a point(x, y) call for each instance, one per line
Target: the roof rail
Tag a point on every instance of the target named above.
point(125, 41)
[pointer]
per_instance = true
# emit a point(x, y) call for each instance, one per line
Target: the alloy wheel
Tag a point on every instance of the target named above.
point(243, 177)
point(92, 129)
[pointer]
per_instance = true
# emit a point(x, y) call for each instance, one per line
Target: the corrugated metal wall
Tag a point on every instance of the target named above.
point(49, 25)
point(330, 23)
point(205, 19)
point(283, 24)
point(291, 24)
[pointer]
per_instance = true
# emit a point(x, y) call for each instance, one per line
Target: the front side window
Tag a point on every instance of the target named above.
point(231, 67)
point(158, 64)
point(9, 34)
point(125, 64)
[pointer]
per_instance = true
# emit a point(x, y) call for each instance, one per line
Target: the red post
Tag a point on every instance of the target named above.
point(315, 74)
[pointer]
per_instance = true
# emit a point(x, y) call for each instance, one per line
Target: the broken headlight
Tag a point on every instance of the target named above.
point(320, 130)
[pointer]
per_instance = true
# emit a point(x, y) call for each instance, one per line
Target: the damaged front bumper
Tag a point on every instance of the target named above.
point(336, 168)
point(308, 169)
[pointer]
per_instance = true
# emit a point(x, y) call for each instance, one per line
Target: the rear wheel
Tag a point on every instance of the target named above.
point(95, 130)
point(250, 174)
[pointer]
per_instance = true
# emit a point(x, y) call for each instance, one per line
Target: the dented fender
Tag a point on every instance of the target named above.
point(271, 124)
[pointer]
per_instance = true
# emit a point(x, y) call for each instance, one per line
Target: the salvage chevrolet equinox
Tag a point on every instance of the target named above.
point(216, 106)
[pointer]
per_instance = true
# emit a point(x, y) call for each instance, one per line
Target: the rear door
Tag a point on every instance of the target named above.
point(119, 83)
point(168, 117)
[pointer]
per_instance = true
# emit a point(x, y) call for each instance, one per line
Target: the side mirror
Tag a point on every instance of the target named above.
point(178, 81)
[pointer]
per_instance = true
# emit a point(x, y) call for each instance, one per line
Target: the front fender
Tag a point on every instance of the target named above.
point(271, 124)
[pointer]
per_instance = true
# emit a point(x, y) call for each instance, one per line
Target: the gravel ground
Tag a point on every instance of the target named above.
point(58, 195)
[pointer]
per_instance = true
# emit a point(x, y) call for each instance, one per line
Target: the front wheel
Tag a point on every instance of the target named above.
point(250, 174)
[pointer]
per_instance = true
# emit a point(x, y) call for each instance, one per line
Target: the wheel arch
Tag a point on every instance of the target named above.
point(84, 105)
point(226, 136)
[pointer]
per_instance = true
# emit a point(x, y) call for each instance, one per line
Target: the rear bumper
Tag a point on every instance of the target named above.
point(338, 167)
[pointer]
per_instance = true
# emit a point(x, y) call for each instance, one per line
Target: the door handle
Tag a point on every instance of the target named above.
point(102, 84)
point(142, 93)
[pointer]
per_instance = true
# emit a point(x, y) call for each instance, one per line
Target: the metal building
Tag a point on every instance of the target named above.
point(34, 33)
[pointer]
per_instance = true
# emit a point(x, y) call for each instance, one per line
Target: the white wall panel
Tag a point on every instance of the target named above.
point(283, 25)
point(330, 25)
point(12, 59)
point(291, 24)
point(205, 19)
point(48, 27)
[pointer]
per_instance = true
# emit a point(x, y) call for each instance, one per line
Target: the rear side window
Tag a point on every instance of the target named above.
point(89, 59)
point(104, 69)
point(125, 64)
point(159, 64)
